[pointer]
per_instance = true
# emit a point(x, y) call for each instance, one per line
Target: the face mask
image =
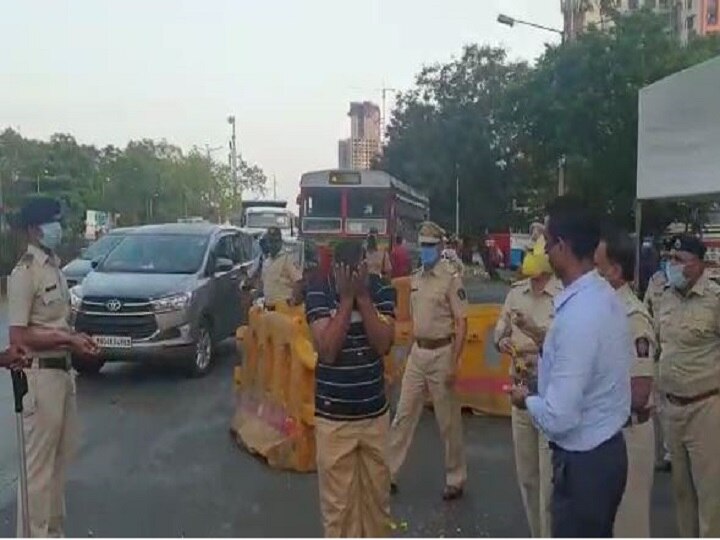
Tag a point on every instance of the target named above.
point(429, 255)
point(51, 235)
point(676, 277)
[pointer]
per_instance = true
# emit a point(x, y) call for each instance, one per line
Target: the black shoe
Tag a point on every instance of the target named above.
point(393, 488)
point(451, 493)
point(663, 466)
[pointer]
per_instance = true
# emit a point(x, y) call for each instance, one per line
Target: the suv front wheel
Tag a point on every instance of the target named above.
point(202, 359)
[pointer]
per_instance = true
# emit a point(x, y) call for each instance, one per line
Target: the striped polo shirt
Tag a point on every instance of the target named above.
point(353, 388)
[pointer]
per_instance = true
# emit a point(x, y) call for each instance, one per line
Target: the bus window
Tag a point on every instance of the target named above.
point(366, 204)
point(322, 203)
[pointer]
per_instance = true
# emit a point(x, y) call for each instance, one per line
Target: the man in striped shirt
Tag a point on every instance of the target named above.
point(351, 321)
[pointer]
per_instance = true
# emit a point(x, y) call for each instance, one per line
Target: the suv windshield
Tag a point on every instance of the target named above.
point(263, 220)
point(102, 247)
point(157, 254)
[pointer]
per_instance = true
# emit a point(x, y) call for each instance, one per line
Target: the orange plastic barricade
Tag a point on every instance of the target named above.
point(483, 370)
point(275, 390)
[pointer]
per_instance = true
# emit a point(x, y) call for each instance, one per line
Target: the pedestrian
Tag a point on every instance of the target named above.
point(438, 306)
point(450, 254)
point(351, 318)
point(400, 259)
point(281, 277)
point(653, 294)
point(689, 329)
point(615, 261)
point(583, 397)
point(530, 299)
point(39, 310)
point(377, 260)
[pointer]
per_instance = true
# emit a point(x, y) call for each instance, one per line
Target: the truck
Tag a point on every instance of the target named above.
point(257, 216)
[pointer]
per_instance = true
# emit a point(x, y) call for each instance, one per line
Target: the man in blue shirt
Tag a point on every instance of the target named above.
point(583, 397)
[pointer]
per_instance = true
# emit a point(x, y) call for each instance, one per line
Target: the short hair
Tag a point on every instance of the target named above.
point(620, 249)
point(348, 252)
point(571, 220)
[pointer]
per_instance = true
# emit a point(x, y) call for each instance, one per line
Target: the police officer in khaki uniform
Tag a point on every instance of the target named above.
point(532, 300)
point(615, 261)
point(39, 309)
point(376, 259)
point(450, 254)
point(438, 304)
point(282, 279)
point(653, 294)
point(689, 324)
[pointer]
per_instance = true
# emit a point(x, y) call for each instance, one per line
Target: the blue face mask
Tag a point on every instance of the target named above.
point(51, 235)
point(675, 276)
point(429, 255)
point(663, 267)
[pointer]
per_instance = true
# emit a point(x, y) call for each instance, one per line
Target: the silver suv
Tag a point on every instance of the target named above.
point(169, 291)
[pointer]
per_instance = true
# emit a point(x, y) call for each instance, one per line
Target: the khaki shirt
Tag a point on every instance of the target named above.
point(689, 327)
point(378, 262)
point(451, 256)
point(437, 298)
point(537, 307)
point(642, 332)
point(654, 292)
point(279, 274)
point(37, 293)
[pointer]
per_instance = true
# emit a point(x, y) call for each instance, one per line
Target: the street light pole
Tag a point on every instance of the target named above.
point(512, 21)
point(233, 158)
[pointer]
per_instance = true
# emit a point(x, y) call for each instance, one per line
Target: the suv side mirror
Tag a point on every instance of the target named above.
point(95, 262)
point(223, 265)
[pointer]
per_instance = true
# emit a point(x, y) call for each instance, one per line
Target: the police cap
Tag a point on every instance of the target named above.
point(430, 233)
point(689, 244)
point(39, 210)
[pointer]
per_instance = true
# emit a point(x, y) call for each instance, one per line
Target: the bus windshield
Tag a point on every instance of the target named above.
point(323, 203)
point(364, 203)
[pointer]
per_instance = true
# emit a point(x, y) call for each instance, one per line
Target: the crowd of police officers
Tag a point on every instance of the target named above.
point(675, 372)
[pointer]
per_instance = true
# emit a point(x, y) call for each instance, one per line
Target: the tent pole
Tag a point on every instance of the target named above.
point(638, 243)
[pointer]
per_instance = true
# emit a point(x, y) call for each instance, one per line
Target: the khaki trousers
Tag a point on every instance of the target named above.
point(694, 437)
point(427, 370)
point(353, 477)
point(534, 472)
point(50, 421)
point(633, 516)
point(662, 451)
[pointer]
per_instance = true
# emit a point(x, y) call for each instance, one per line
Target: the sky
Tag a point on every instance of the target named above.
point(110, 71)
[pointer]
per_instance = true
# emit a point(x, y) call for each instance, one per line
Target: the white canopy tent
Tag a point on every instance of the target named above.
point(679, 138)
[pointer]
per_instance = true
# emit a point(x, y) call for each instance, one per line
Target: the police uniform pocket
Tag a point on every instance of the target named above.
point(51, 294)
point(29, 401)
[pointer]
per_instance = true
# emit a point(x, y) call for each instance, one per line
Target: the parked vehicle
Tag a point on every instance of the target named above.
point(76, 270)
point(169, 291)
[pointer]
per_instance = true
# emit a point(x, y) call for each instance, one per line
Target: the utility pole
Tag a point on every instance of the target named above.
point(457, 202)
point(233, 159)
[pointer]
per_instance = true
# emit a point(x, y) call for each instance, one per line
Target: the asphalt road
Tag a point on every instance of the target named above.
point(156, 459)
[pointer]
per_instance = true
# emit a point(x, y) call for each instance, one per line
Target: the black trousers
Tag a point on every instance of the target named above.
point(587, 489)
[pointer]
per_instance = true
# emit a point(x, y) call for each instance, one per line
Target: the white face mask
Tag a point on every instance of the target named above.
point(676, 275)
point(51, 235)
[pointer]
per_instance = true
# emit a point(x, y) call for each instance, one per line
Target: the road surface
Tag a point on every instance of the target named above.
point(156, 459)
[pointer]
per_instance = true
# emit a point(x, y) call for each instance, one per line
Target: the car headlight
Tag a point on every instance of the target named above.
point(75, 297)
point(175, 302)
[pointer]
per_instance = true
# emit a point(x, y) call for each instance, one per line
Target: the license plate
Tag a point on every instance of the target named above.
point(113, 342)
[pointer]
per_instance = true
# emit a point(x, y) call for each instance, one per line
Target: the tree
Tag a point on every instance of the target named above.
point(447, 127)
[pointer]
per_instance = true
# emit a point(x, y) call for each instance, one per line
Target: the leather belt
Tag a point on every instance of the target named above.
point(52, 363)
point(270, 308)
point(637, 418)
point(432, 344)
point(684, 400)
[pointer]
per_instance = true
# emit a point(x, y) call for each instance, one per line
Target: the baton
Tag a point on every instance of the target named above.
point(20, 388)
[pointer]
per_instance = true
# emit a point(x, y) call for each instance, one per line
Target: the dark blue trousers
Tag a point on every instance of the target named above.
point(587, 489)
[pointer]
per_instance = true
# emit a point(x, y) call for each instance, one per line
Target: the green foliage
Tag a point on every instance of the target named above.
point(148, 181)
point(504, 125)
